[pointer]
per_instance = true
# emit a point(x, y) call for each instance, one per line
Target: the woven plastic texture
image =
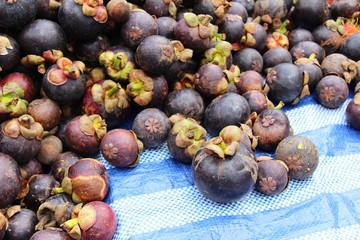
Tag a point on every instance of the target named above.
point(158, 199)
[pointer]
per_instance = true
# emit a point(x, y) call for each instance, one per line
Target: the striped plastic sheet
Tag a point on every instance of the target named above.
point(158, 198)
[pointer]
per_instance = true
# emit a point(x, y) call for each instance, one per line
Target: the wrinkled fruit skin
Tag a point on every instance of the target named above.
point(21, 225)
point(105, 224)
point(225, 180)
point(151, 126)
point(51, 233)
point(119, 148)
point(10, 182)
point(89, 180)
point(273, 177)
point(299, 154)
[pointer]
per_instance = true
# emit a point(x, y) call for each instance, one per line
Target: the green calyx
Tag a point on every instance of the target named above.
point(93, 124)
point(140, 87)
point(117, 65)
point(11, 100)
point(40, 62)
point(24, 125)
point(111, 94)
point(226, 144)
point(202, 21)
point(190, 135)
point(218, 54)
point(95, 9)
point(172, 5)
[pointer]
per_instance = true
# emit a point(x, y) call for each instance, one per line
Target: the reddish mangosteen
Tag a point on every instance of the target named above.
point(118, 61)
point(54, 211)
point(271, 126)
point(273, 176)
point(185, 138)
point(20, 80)
point(89, 50)
point(11, 181)
point(121, 148)
point(83, 19)
point(226, 109)
point(83, 134)
point(62, 163)
point(300, 155)
point(286, 83)
point(41, 187)
point(86, 180)
point(51, 147)
point(64, 82)
point(137, 27)
point(3, 225)
point(352, 112)
point(41, 35)
point(16, 14)
point(166, 26)
point(46, 112)
point(257, 100)
point(109, 100)
point(9, 52)
point(233, 28)
point(30, 168)
point(249, 80)
point(155, 54)
point(151, 127)
point(146, 90)
point(161, 8)
point(248, 59)
point(22, 223)
point(21, 138)
point(119, 10)
point(94, 221)
point(222, 172)
point(195, 31)
point(48, 9)
point(332, 91)
point(187, 102)
point(51, 233)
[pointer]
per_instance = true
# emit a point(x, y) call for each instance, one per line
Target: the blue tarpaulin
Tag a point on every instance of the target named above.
point(158, 199)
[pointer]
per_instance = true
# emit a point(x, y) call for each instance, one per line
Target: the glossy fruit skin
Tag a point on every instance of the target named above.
point(76, 24)
point(136, 28)
point(119, 147)
point(274, 173)
point(40, 189)
point(226, 180)
point(24, 11)
point(317, 12)
point(186, 101)
point(299, 35)
point(248, 59)
point(275, 56)
point(352, 114)
point(21, 225)
point(155, 54)
point(344, 8)
point(11, 181)
point(348, 48)
point(271, 126)
point(105, 224)
point(79, 142)
point(66, 93)
point(332, 91)
point(50, 233)
point(41, 35)
point(226, 109)
point(238, 9)
point(166, 26)
point(151, 126)
point(46, 112)
point(232, 27)
point(285, 82)
point(62, 163)
point(12, 57)
point(300, 154)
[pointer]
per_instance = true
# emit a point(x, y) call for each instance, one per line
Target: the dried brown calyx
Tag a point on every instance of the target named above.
point(140, 87)
point(232, 75)
point(95, 9)
point(187, 81)
point(41, 62)
point(94, 75)
point(25, 126)
point(181, 53)
point(65, 69)
point(221, 6)
point(190, 135)
point(117, 65)
point(5, 45)
point(93, 124)
point(203, 22)
point(111, 94)
point(12, 100)
point(218, 54)
point(172, 5)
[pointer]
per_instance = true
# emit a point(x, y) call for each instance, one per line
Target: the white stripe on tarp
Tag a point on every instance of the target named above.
point(175, 207)
point(351, 232)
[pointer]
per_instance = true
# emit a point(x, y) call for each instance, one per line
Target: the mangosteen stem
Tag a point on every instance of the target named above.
point(112, 91)
point(280, 105)
point(58, 190)
point(136, 87)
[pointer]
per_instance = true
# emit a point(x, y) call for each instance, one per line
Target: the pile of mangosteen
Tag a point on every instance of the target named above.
point(208, 78)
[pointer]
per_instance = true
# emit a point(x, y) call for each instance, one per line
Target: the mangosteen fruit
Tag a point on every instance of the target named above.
point(275, 56)
point(340, 65)
point(257, 100)
point(51, 233)
point(161, 8)
point(316, 13)
point(299, 35)
point(9, 52)
point(119, 10)
point(332, 91)
point(249, 80)
point(300, 155)
point(89, 50)
point(46, 112)
point(166, 26)
point(51, 147)
point(352, 112)
point(30, 168)
point(61, 164)
point(22, 223)
point(248, 59)
point(16, 14)
point(232, 27)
